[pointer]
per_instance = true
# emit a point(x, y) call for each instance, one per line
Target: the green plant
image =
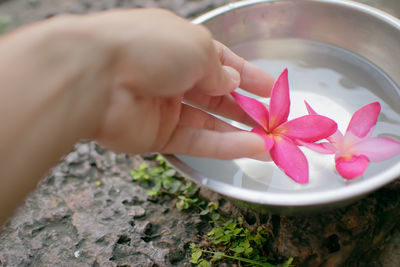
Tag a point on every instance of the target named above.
point(217, 256)
point(162, 179)
point(228, 238)
point(231, 239)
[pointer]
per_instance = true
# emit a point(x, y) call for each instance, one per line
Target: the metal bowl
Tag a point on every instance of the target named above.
point(341, 55)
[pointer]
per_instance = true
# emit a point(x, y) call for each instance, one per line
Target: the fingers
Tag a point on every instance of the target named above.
point(203, 135)
point(252, 78)
point(193, 117)
point(220, 145)
point(224, 106)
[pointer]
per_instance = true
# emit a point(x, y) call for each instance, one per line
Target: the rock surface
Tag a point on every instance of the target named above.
point(87, 211)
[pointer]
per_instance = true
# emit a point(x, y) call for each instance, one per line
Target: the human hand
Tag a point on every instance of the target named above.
point(119, 77)
point(162, 62)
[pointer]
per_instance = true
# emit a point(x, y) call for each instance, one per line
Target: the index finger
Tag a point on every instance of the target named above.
point(253, 78)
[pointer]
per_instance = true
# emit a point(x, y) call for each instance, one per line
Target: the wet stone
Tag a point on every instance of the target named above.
point(137, 212)
point(83, 149)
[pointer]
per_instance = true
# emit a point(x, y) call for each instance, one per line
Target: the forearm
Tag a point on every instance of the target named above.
point(47, 102)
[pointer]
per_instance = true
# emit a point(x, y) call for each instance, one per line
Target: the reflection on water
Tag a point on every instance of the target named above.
point(336, 83)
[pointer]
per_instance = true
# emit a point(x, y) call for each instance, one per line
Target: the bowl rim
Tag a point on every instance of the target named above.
point(342, 194)
point(386, 17)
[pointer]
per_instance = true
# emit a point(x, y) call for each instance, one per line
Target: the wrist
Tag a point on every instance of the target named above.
point(53, 91)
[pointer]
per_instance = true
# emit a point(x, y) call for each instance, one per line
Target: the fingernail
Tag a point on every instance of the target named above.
point(233, 74)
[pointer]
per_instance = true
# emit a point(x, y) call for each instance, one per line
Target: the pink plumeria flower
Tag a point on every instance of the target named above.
point(280, 135)
point(357, 148)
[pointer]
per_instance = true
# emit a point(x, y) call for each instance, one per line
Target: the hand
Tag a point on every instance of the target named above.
point(162, 60)
point(119, 77)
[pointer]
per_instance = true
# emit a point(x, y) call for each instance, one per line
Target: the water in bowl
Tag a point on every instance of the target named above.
point(336, 83)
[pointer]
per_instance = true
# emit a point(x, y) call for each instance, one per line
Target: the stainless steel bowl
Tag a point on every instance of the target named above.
point(341, 55)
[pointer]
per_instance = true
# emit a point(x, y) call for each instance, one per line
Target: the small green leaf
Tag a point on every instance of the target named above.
point(190, 189)
point(218, 233)
point(170, 172)
point(287, 263)
point(135, 175)
point(153, 192)
point(196, 256)
point(226, 239)
point(143, 166)
point(218, 256)
point(231, 224)
point(213, 205)
point(246, 243)
point(212, 232)
point(155, 171)
point(237, 231)
point(215, 216)
point(160, 160)
point(205, 212)
point(174, 186)
point(204, 263)
point(248, 251)
point(238, 250)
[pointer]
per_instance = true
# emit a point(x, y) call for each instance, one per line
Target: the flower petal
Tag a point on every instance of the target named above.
point(364, 120)
point(310, 109)
point(336, 138)
point(309, 128)
point(255, 109)
point(290, 159)
point(279, 105)
point(324, 147)
point(351, 167)
point(269, 140)
point(378, 148)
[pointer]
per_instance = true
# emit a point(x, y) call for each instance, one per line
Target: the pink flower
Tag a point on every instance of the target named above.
point(280, 135)
point(357, 148)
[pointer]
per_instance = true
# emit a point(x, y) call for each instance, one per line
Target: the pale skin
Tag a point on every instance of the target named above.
point(120, 78)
